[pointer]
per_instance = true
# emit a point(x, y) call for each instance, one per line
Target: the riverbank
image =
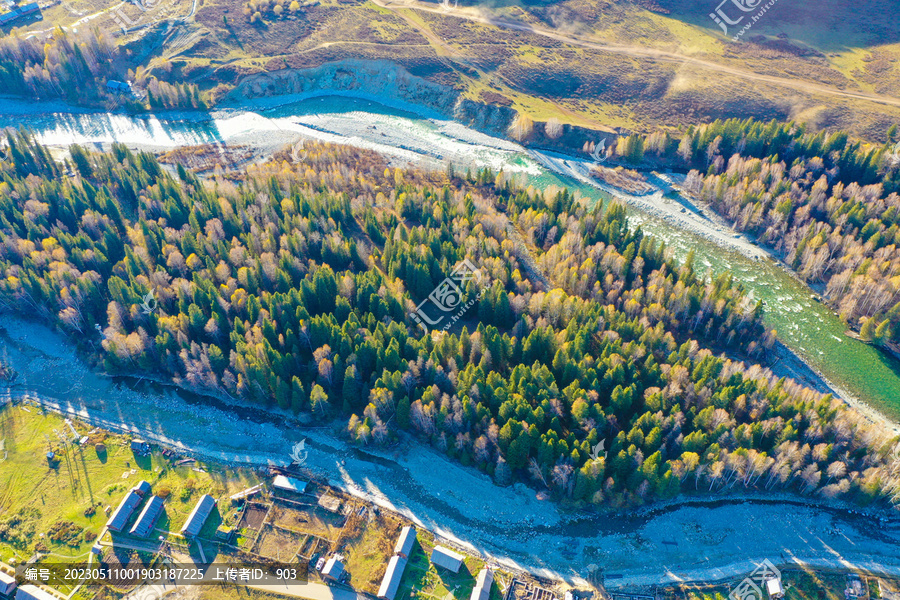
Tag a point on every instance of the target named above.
point(687, 214)
point(407, 136)
point(509, 526)
point(407, 139)
point(675, 211)
point(793, 365)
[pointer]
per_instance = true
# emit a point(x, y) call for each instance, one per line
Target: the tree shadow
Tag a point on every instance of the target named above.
point(102, 454)
point(144, 462)
point(231, 32)
point(459, 584)
point(87, 475)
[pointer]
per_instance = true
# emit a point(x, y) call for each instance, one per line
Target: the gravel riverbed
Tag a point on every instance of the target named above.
point(687, 540)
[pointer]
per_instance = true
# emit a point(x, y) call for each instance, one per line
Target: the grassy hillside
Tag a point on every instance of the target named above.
point(633, 65)
point(70, 494)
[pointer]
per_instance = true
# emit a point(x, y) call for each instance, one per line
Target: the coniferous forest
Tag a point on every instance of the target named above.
point(76, 66)
point(291, 286)
point(826, 204)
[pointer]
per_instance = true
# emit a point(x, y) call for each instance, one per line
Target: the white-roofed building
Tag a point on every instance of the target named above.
point(333, 569)
point(31, 592)
point(406, 541)
point(774, 588)
point(392, 576)
point(7, 584)
point(390, 583)
point(483, 583)
point(289, 484)
point(248, 493)
point(446, 558)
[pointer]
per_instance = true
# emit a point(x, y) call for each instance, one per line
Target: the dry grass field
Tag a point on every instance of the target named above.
point(595, 63)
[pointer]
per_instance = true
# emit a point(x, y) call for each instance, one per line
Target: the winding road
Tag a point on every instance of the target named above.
point(634, 51)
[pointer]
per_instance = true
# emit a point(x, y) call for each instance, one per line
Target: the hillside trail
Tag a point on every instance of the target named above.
point(634, 51)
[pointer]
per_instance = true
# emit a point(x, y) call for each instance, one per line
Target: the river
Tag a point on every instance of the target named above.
point(458, 503)
point(806, 326)
point(694, 539)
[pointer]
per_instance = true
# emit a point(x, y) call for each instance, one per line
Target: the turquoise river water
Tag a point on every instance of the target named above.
point(808, 327)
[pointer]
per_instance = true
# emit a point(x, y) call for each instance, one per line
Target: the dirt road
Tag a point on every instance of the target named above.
point(472, 14)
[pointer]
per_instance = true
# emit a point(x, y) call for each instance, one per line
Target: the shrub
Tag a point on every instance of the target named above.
point(553, 128)
point(521, 127)
point(66, 532)
point(18, 529)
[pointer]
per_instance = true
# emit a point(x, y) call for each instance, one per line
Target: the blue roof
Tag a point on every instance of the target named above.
point(144, 525)
point(119, 518)
point(290, 484)
point(198, 516)
point(142, 488)
point(19, 12)
point(120, 85)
